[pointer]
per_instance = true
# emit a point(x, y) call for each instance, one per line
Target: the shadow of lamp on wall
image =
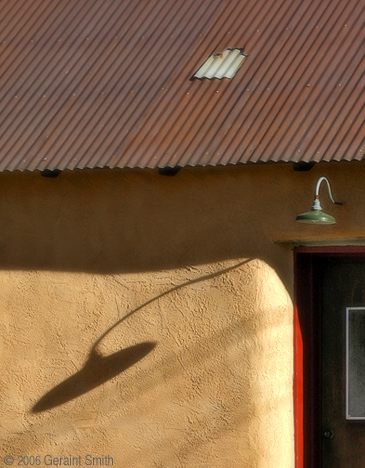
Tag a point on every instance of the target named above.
point(96, 371)
point(99, 369)
point(316, 215)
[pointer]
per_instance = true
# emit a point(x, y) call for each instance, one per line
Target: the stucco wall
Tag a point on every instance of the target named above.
point(149, 318)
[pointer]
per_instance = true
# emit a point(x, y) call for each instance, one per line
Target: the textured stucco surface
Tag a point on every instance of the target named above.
point(149, 318)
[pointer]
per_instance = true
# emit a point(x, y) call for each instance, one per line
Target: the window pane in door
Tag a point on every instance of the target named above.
point(355, 363)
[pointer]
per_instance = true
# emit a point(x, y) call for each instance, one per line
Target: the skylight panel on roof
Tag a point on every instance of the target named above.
point(224, 65)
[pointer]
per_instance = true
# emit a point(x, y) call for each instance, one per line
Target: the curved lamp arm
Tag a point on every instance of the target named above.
point(316, 204)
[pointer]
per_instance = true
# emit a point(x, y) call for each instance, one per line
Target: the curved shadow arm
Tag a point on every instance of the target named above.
point(197, 280)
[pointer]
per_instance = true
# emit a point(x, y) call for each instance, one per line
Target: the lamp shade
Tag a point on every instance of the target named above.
point(315, 217)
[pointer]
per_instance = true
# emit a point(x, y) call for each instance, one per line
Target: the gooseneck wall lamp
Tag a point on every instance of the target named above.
point(316, 215)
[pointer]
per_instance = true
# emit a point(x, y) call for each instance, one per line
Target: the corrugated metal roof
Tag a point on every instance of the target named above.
point(90, 83)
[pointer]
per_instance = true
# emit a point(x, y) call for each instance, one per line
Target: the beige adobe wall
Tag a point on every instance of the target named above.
point(149, 318)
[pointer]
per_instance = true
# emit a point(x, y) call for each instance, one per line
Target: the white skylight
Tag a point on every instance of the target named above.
point(224, 65)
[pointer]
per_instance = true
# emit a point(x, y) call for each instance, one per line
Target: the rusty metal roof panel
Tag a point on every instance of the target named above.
point(85, 83)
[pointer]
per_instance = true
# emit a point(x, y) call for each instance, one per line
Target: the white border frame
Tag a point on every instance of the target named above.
point(348, 417)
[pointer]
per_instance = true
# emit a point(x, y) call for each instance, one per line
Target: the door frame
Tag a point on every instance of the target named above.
point(307, 351)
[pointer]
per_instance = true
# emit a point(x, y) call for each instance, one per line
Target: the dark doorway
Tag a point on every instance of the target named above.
point(328, 282)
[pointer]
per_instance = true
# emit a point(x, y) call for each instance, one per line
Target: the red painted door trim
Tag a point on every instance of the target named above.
point(298, 392)
point(307, 344)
